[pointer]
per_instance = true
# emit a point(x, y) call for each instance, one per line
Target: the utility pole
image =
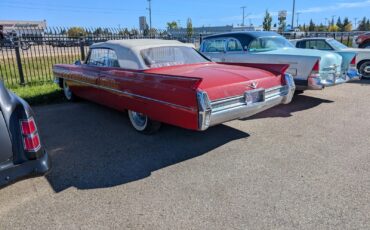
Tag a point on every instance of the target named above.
point(150, 13)
point(293, 14)
point(298, 13)
point(355, 23)
point(243, 7)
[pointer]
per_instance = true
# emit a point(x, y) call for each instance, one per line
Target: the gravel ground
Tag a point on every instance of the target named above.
point(300, 166)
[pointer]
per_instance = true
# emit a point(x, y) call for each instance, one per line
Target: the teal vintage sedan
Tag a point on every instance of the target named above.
point(354, 58)
point(311, 69)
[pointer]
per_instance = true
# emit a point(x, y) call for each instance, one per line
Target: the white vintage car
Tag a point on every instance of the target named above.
point(311, 69)
point(361, 61)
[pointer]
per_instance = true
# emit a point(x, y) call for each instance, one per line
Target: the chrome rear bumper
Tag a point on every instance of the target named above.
point(228, 109)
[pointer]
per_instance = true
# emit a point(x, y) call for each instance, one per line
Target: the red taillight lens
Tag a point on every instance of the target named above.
point(316, 67)
point(28, 127)
point(32, 144)
point(353, 62)
point(31, 139)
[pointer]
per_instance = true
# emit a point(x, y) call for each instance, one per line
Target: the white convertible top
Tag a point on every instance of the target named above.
point(128, 50)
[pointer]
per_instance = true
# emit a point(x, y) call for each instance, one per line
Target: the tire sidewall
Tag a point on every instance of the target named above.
point(135, 125)
point(362, 67)
point(67, 91)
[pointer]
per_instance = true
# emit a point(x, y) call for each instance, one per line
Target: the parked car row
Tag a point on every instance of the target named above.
point(232, 76)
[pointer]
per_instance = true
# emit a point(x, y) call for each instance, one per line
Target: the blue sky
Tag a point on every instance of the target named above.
point(125, 13)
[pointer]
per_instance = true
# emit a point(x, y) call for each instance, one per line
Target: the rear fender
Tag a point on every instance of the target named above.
point(277, 69)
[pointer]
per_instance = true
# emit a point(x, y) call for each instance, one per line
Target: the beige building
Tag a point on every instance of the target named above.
point(24, 28)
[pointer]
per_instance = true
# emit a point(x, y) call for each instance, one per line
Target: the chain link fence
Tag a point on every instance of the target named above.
point(28, 54)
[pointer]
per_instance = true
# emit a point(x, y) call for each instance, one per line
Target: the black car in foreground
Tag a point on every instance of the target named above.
point(21, 152)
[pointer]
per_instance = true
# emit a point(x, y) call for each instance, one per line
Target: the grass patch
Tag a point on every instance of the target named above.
point(40, 94)
point(35, 68)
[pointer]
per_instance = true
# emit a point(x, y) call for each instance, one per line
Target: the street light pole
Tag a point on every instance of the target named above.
point(150, 13)
point(293, 14)
point(243, 7)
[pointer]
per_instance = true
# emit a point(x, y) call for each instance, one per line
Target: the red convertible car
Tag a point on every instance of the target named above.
point(168, 81)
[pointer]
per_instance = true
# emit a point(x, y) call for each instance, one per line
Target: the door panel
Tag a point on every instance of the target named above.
point(5, 143)
point(86, 77)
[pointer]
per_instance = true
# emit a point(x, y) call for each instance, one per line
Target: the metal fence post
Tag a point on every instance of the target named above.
point(82, 49)
point(19, 61)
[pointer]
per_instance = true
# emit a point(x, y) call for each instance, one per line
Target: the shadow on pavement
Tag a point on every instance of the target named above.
point(300, 102)
point(95, 147)
point(361, 82)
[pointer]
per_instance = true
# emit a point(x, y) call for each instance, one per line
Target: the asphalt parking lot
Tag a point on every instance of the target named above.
point(300, 166)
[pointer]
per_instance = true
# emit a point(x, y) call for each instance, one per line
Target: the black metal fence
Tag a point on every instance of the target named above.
point(27, 55)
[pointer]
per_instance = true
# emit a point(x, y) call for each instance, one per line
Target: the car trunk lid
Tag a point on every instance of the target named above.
point(224, 80)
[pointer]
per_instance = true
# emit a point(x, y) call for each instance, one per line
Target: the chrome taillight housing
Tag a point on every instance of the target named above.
point(204, 110)
point(30, 135)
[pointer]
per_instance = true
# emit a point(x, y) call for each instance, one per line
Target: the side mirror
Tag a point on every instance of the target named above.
point(78, 62)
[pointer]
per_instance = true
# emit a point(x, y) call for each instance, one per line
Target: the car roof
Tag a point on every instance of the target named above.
point(316, 38)
point(138, 44)
point(128, 50)
point(250, 34)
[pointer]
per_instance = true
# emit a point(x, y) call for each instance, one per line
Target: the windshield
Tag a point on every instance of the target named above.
point(337, 44)
point(170, 56)
point(263, 44)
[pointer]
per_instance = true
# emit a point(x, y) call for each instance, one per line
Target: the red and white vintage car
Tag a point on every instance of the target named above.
point(167, 81)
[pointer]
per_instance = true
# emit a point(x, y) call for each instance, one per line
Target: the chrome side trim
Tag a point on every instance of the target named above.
point(134, 95)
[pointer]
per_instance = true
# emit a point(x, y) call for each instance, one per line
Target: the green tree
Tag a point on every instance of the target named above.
point(74, 32)
point(189, 28)
point(267, 20)
point(312, 26)
point(333, 28)
point(98, 31)
point(347, 25)
point(362, 26)
point(124, 32)
point(282, 24)
point(321, 28)
point(172, 25)
point(340, 24)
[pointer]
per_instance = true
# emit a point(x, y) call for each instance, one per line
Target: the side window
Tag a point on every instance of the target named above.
point(254, 46)
point(103, 57)
point(301, 44)
point(317, 44)
point(214, 45)
point(234, 45)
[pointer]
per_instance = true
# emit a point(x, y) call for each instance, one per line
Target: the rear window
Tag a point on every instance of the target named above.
point(170, 56)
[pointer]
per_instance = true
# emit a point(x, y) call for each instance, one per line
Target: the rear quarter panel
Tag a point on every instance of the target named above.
point(167, 99)
point(5, 143)
point(299, 66)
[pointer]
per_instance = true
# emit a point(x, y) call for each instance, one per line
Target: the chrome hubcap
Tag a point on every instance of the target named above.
point(138, 120)
point(367, 69)
point(67, 91)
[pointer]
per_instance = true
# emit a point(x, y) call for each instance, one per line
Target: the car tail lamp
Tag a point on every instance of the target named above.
point(205, 110)
point(30, 136)
point(315, 70)
point(353, 62)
